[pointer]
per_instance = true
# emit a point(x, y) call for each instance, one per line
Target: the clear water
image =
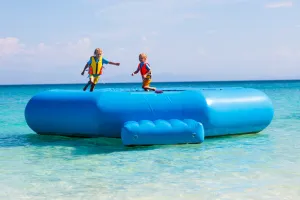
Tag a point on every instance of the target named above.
point(257, 166)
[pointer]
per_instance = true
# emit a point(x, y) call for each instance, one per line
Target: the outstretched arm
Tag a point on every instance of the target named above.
point(105, 62)
point(113, 63)
point(136, 71)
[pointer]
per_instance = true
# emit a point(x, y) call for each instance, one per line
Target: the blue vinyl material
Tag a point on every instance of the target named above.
point(221, 111)
point(172, 131)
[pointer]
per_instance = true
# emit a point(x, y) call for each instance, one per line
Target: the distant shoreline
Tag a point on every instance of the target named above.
point(114, 83)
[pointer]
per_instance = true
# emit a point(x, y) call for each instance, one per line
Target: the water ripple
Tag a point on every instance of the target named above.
point(255, 166)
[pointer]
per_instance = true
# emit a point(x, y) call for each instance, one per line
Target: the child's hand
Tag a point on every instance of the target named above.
point(117, 64)
point(132, 74)
point(82, 73)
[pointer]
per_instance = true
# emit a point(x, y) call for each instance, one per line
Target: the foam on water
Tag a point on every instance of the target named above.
point(256, 166)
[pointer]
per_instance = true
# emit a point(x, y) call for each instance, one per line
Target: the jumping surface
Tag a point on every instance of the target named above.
point(221, 111)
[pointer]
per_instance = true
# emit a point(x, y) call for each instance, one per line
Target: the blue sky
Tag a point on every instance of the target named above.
point(193, 40)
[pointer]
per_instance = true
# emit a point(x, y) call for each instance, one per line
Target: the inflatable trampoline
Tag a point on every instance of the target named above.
point(149, 118)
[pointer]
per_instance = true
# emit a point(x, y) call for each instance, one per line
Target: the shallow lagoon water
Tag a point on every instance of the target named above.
point(254, 166)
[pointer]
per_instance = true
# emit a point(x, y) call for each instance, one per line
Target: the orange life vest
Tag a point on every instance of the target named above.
point(96, 67)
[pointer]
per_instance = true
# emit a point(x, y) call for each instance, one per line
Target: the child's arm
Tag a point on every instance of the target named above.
point(136, 71)
point(104, 61)
point(113, 63)
point(86, 66)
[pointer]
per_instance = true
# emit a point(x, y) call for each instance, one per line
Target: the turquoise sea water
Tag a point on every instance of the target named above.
point(256, 166)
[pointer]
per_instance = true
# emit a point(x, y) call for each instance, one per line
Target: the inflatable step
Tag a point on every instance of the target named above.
point(162, 132)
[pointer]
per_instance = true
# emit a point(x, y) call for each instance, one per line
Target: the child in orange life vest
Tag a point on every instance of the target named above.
point(144, 69)
point(95, 65)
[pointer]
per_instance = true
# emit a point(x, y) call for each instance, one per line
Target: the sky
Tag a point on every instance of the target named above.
point(192, 40)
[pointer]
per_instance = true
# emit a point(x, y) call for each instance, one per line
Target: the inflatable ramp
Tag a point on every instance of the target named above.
point(162, 132)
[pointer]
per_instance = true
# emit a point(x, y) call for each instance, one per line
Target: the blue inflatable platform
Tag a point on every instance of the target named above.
point(147, 118)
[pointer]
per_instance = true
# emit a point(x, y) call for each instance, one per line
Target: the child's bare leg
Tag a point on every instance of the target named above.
point(92, 87)
point(92, 80)
point(146, 88)
point(86, 86)
point(146, 85)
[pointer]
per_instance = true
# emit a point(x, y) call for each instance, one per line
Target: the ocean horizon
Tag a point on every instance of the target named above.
point(161, 82)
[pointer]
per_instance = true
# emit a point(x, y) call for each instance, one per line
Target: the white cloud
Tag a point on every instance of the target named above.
point(174, 34)
point(44, 62)
point(10, 46)
point(60, 52)
point(279, 4)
